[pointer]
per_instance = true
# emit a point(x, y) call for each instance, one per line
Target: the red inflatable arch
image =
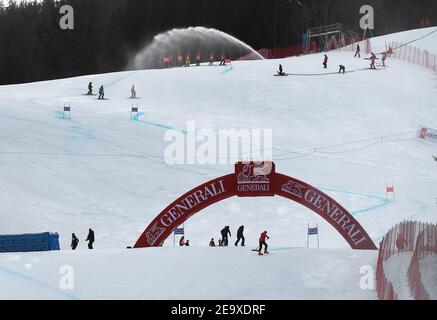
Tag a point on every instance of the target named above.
point(254, 180)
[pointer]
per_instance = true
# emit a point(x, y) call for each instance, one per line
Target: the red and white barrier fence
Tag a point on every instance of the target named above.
point(412, 54)
point(426, 245)
point(420, 239)
point(400, 51)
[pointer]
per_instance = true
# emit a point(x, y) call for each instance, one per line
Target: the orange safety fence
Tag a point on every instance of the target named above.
point(408, 236)
point(426, 245)
point(412, 54)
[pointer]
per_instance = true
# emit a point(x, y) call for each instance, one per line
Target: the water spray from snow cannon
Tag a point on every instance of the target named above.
point(191, 41)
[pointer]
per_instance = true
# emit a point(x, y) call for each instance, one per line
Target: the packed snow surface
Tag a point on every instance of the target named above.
point(349, 135)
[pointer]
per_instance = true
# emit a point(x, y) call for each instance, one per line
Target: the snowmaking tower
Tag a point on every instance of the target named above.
point(329, 37)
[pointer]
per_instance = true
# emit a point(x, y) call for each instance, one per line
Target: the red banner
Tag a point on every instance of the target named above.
point(327, 208)
point(254, 180)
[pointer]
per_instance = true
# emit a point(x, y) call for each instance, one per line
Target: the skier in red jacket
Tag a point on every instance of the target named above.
point(180, 60)
point(222, 59)
point(372, 59)
point(182, 241)
point(325, 62)
point(262, 242)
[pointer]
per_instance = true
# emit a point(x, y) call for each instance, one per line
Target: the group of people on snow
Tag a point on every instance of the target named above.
point(102, 92)
point(342, 68)
point(90, 238)
point(223, 242)
point(186, 61)
point(226, 233)
point(373, 57)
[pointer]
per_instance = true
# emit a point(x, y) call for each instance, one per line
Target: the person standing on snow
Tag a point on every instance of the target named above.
point(101, 92)
point(187, 60)
point(262, 242)
point(225, 232)
point(222, 59)
point(74, 241)
point(180, 63)
point(198, 58)
point(384, 57)
point(211, 59)
point(240, 236)
point(133, 92)
point(90, 239)
point(357, 53)
point(325, 62)
point(212, 243)
point(281, 72)
point(342, 69)
point(90, 89)
point(182, 241)
point(372, 59)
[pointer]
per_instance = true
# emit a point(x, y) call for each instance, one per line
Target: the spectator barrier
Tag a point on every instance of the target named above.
point(408, 236)
point(426, 245)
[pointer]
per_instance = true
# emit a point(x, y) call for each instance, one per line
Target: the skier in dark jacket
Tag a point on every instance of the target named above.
point(90, 89)
point(262, 242)
point(225, 231)
point(101, 92)
point(357, 53)
point(240, 236)
point(342, 69)
point(281, 72)
point(90, 238)
point(74, 241)
point(325, 62)
point(212, 243)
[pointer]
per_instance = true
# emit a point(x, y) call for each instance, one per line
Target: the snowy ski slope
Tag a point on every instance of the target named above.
point(105, 171)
